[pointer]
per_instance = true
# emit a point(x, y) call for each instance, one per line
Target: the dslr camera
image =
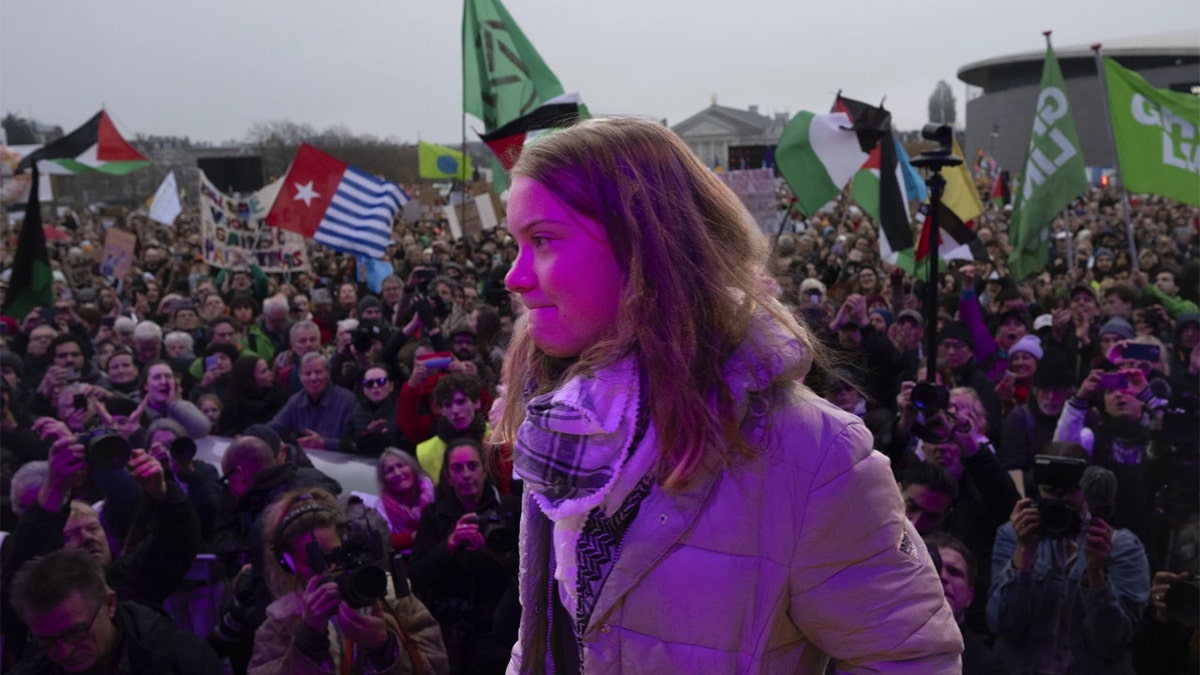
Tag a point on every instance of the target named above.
point(1056, 518)
point(497, 534)
point(934, 422)
point(105, 449)
point(360, 579)
point(365, 335)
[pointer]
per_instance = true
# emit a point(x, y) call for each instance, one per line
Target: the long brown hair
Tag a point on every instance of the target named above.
point(693, 263)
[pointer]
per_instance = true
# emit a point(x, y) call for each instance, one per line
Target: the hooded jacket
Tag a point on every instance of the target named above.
point(772, 564)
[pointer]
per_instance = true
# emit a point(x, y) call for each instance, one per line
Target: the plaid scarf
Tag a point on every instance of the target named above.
point(575, 440)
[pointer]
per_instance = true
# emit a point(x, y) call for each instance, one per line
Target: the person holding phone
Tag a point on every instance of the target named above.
point(1119, 439)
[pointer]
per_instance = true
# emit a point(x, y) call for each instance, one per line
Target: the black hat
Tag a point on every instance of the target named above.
point(12, 360)
point(369, 301)
point(1053, 372)
point(957, 330)
point(266, 434)
point(215, 348)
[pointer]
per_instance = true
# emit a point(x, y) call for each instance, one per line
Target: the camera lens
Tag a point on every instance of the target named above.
point(362, 586)
point(108, 451)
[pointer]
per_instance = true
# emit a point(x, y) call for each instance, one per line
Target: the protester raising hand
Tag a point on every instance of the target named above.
point(68, 468)
point(148, 473)
point(1090, 385)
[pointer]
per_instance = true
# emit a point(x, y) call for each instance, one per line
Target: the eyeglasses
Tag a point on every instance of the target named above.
point(72, 636)
point(377, 382)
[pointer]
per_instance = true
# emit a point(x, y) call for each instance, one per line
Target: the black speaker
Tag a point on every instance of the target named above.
point(233, 174)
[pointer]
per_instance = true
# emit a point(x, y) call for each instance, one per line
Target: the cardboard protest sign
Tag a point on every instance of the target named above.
point(119, 248)
point(234, 232)
point(756, 189)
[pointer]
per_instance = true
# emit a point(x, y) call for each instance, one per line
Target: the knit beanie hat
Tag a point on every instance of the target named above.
point(957, 330)
point(1028, 344)
point(1118, 326)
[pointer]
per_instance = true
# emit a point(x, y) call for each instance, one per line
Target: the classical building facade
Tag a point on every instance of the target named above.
point(732, 139)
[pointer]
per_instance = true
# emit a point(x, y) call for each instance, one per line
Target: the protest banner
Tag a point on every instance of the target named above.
point(235, 234)
point(487, 211)
point(756, 189)
point(119, 248)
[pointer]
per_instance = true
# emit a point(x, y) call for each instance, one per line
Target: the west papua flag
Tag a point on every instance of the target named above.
point(557, 113)
point(327, 200)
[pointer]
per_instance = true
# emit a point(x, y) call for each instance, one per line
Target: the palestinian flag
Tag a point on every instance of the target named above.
point(95, 146)
point(878, 186)
point(30, 285)
point(817, 155)
point(960, 208)
point(559, 112)
point(1000, 194)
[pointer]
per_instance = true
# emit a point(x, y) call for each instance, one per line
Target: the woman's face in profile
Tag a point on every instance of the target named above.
point(565, 271)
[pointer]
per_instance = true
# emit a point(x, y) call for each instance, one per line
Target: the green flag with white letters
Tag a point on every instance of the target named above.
point(1053, 176)
point(1156, 135)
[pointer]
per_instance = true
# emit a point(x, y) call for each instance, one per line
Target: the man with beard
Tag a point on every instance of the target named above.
point(464, 343)
point(457, 395)
point(268, 335)
point(956, 349)
point(1028, 428)
point(70, 364)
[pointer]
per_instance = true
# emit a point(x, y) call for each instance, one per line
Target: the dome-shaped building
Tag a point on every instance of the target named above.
point(1000, 118)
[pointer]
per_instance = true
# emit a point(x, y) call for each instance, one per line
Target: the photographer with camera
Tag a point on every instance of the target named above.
point(356, 352)
point(153, 562)
point(333, 610)
point(1068, 589)
point(464, 557)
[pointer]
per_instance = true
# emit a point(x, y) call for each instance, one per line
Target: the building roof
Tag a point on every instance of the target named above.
point(744, 122)
point(1184, 43)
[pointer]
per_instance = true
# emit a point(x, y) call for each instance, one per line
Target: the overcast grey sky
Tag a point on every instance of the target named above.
point(392, 68)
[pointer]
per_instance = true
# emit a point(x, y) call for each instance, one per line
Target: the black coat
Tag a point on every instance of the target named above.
point(149, 643)
point(464, 586)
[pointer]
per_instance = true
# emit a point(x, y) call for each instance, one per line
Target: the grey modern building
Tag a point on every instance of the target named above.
point(1000, 119)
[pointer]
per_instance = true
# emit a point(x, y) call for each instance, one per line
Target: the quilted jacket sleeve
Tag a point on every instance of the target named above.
point(864, 589)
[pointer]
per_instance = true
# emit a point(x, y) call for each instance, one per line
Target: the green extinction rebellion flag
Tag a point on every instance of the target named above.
point(1053, 176)
point(1156, 135)
point(504, 77)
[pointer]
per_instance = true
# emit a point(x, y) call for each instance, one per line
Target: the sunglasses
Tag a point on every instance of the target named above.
point(377, 382)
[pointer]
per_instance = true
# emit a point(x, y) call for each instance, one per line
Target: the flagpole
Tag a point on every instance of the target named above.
point(1070, 247)
point(462, 168)
point(1112, 139)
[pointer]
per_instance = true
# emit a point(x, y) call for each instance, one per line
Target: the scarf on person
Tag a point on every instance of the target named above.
point(404, 518)
point(575, 449)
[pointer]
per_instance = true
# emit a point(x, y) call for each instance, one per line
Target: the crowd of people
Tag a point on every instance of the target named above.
point(1094, 362)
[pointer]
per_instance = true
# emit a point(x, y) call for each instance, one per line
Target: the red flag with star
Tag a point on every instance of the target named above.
point(307, 190)
point(324, 199)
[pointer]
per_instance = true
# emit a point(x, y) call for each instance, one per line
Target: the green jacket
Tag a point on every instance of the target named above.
point(1175, 305)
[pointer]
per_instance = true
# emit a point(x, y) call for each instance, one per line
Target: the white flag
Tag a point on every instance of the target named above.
point(165, 208)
